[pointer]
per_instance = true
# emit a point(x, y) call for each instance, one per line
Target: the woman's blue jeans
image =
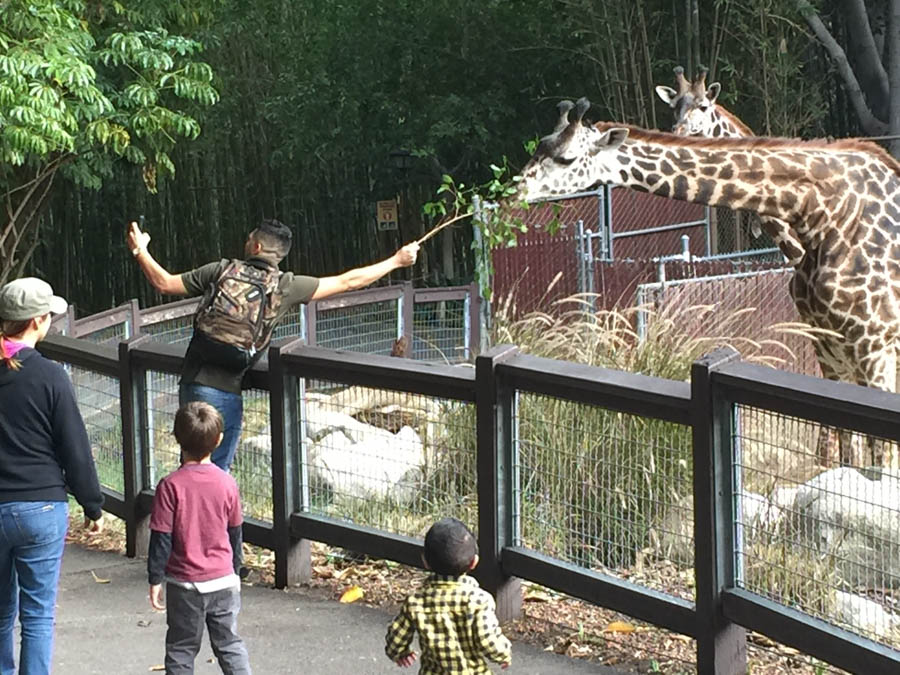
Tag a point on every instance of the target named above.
point(32, 539)
point(230, 407)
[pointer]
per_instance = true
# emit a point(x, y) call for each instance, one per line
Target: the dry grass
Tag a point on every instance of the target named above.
point(642, 339)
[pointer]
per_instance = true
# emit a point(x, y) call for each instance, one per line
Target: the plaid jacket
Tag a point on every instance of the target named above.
point(457, 627)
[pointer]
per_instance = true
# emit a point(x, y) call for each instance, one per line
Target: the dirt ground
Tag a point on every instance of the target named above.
point(550, 620)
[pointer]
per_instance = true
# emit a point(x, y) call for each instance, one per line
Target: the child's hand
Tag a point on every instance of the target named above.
point(406, 661)
point(156, 597)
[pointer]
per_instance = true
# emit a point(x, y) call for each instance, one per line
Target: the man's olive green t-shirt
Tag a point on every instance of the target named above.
point(296, 289)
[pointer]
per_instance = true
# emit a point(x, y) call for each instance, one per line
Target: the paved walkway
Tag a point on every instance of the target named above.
point(109, 628)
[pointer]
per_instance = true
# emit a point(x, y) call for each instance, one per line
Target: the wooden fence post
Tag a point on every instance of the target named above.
point(135, 317)
point(133, 414)
point(493, 405)
point(292, 555)
point(721, 645)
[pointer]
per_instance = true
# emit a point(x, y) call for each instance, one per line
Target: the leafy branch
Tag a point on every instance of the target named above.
point(496, 210)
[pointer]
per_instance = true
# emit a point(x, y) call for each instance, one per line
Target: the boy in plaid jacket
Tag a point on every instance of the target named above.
point(454, 617)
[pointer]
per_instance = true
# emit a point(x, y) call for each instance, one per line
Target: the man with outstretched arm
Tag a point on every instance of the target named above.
point(206, 374)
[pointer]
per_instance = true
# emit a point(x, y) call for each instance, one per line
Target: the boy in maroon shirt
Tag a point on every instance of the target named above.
point(195, 544)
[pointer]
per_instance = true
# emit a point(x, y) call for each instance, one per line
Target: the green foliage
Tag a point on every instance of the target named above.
point(497, 212)
point(92, 89)
point(81, 86)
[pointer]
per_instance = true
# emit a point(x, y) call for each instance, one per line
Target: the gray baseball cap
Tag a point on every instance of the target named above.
point(27, 298)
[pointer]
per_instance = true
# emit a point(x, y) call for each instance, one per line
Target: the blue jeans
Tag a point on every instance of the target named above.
point(32, 538)
point(230, 407)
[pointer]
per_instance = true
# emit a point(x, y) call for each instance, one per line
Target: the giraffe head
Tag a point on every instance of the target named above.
point(694, 104)
point(575, 157)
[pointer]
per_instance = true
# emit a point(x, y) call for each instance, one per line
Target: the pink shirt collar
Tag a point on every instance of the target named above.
point(10, 348)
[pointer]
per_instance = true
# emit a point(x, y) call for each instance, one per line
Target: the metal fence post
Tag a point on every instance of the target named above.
point(311, 320)
point(483, 273)
point(493, 403)
point(132, 387)
point(473, 335)
point(721, 645)
point(407, 314)
point(292, 555)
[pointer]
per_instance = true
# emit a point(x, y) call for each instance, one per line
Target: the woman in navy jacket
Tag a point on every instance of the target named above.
point(44, 453)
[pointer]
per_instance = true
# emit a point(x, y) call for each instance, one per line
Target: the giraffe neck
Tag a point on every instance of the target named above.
point(728, 125)
point(780, 180)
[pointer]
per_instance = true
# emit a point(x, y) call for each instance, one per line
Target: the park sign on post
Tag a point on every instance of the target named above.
point(387, 215)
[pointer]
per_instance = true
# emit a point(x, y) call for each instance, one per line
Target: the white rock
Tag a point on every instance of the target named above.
point(375, 464)
point(855, 520)
point(864, 615)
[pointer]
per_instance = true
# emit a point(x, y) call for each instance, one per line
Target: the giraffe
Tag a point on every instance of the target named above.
point(698, 114)
point(841, 200)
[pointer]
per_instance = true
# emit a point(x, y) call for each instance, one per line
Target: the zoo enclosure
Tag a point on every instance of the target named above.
point(526, 439)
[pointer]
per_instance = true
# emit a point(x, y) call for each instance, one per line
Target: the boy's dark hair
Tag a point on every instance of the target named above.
point(450, 547)
point(275, 237)
point(197, 428)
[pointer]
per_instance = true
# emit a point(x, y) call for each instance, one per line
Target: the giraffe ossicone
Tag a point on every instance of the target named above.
point(841, 198)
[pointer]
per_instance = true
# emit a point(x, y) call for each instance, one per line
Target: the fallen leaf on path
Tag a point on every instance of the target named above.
point(535, 595)
point(156, 669)
point(619, 627)
point(352, 594)
point(98, 579)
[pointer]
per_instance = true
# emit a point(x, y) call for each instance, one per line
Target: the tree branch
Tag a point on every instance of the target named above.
point(866, 57)
point(870, 123)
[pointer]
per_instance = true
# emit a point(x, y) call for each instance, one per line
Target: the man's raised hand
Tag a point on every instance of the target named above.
point(136, 239)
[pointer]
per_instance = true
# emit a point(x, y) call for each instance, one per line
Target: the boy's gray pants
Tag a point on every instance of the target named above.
point(187, 610)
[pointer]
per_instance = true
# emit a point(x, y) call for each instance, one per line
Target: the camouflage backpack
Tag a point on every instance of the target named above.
point(237, 315)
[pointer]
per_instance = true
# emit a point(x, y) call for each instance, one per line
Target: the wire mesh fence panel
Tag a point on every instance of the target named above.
point(440, 331)
point(606, 491)
point(390, 460)
point(292, 325)
point(98, 402)
point(540, 268)
point(170, 331)
point(108, 335)
point(371, 328)
point(252, 467)
point(824, 539)
point(770, 657)
point(733, 232)
point(161, 401)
